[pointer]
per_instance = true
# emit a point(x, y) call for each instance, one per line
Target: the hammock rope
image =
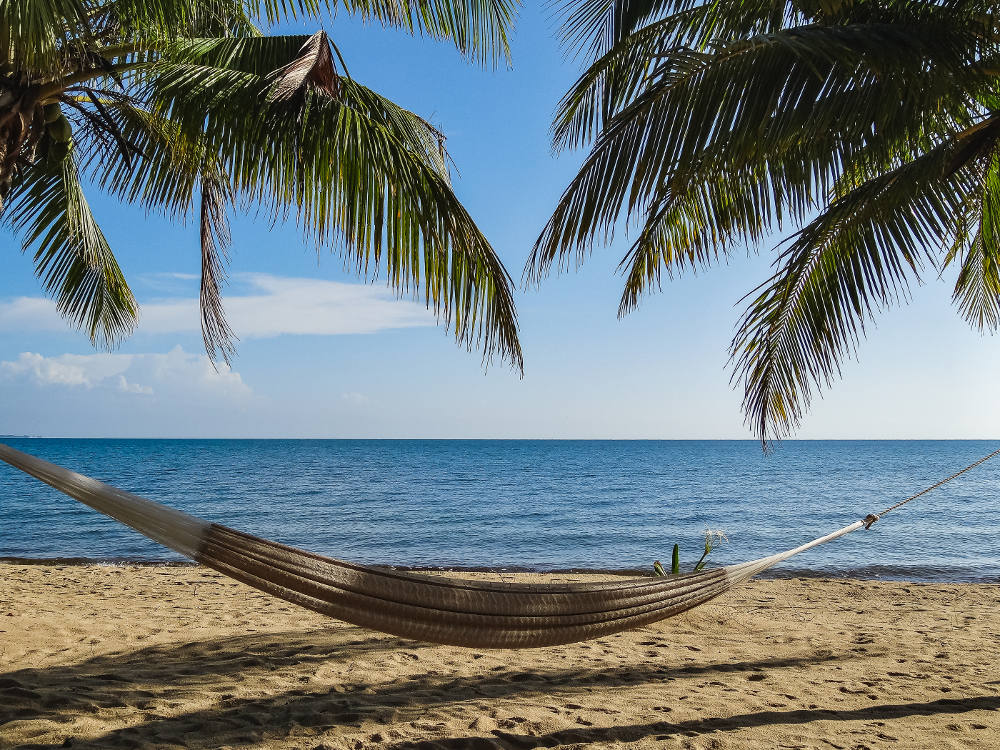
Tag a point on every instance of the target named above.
point(873, 517)
point(438, 609)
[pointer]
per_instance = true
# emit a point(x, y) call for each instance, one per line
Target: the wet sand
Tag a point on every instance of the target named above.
point(135, 657)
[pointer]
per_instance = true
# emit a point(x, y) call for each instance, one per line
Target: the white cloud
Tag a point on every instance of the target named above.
point(277, 306)
point(175, 372)
point(64, 370)
point(172, 393)
point(126, 387)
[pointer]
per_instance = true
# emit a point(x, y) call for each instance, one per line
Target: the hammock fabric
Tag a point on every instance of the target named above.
point(451, 611)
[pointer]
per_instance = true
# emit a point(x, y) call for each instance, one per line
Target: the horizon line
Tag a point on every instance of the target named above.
point(514, 439)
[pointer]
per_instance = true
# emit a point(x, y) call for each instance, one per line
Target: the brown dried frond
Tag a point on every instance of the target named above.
point(313, 68)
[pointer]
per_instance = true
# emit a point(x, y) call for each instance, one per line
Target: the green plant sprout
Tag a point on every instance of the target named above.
point(713, 538)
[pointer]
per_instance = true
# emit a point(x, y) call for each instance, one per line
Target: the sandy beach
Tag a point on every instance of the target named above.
point(167, 657)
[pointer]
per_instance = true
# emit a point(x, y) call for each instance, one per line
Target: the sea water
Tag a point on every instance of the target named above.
point(534, 505)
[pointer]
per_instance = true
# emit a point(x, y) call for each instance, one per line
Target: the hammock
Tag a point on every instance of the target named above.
point(450, 611)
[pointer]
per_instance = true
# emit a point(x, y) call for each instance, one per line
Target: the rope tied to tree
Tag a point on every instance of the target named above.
point(871, 518)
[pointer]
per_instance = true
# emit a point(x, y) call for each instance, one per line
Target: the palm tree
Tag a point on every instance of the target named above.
point(186, 107)
point(871, 128)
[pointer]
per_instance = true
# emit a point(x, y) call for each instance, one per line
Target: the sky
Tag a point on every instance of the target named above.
point(322, 355)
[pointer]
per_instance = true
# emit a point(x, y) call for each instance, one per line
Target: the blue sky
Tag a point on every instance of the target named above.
point(322, 355)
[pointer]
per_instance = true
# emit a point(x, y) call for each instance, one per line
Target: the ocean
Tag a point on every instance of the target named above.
point(534, 504)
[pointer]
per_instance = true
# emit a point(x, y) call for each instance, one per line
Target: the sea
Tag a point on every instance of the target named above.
point(539, 505)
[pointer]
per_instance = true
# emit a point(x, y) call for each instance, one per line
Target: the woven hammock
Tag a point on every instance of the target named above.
point(451, 611)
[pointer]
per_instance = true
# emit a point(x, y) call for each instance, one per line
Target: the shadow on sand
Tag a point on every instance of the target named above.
point(663, 730)
point(149, 685)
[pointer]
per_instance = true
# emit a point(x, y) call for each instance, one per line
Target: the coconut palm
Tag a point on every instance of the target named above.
point(869, 128)
point(186, 107)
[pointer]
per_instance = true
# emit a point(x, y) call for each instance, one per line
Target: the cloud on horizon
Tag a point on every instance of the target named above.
point(276, 306)
point(176, 372)
point(163, 394)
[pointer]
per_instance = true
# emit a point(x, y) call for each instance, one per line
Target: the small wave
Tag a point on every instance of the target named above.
point(915, 573)
point(104, 561)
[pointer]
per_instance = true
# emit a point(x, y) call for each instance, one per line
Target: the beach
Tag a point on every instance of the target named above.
point(107, 656)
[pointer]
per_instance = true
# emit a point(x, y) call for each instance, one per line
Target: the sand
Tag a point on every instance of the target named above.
point(120, 657)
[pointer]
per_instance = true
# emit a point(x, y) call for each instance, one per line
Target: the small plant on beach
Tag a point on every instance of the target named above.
point(713, 538)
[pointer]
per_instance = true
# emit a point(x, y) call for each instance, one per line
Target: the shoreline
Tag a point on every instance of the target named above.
point(894, 574)
point(107, 657)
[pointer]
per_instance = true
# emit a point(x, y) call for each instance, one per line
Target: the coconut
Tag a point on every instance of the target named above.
point(60, 150)
point(51, 112)
point(60, 129)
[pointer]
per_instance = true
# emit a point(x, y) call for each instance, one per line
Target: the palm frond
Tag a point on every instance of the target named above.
point(626, 43)
point(313, 69)
point(72, 257)
point(713, 124)
point(702, 116)
point(595, 27)
point(215, 330)
point(166, 176)
point(855, 258)
point(182, 106)
point(255, 54)
point(32, 32)
point(480, 29)
point(358, 173)
point(977, 289)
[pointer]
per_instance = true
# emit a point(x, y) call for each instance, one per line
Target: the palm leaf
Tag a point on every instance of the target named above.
point(852, 260)
point(183, 106)
point(313, 69)
point(357, 172)
point(977, 289)
point(218, 336)
point(72, 257)
point(480, 29)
